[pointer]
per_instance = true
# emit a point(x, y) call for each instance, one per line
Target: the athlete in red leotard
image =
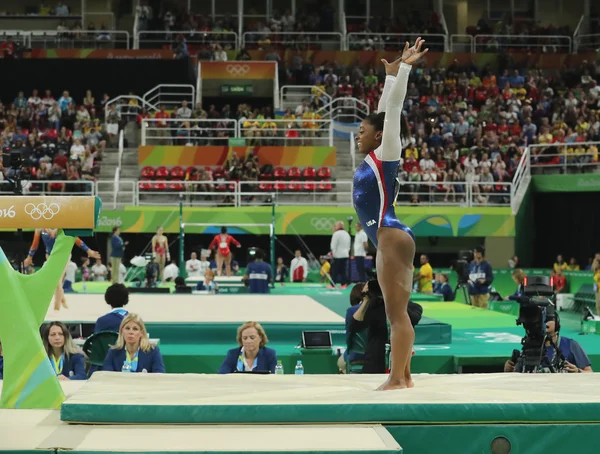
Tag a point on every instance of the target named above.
point(222, 242)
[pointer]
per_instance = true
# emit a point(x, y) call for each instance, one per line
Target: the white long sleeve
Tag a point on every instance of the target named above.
point(387, 88)
point(391, 144)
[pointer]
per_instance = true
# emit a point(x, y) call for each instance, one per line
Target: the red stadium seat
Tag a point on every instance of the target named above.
point(294, 173)
point(161, 172)
point(279, 173)
point(177, 173)
point(324, 186)
point(324, 173)
point(189, 169)
point(219, 172)
point(295, 186)
point(280, 186)
point(159, 185)
point(145, 185)
point(147, 173)
point(266, 186)
point(176, 186)
point(309, 173)
point(310, 186)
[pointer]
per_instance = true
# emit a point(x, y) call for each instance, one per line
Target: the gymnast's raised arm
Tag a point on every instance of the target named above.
point(391, 145)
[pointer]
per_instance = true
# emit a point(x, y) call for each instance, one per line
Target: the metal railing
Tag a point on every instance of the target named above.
point(157, 39)
point(192, 131)
point(349, 110)
point(575, 157)
point(117, 179)
point(299, 132)
point(96, 39)
point(588, 43)
point(521, 180)
point(271, 132)
point(292, 96)
point(325, 193)
point(394, 41)
point(440, 193)
point(171, 95)
point(52, 187)
point(293, 40)
point(462, 43)
point(542, 43)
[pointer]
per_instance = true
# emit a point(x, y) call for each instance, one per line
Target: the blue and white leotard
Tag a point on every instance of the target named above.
point(374, 186)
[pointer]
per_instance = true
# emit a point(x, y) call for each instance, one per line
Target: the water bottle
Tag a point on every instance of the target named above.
point(299, 368)
point(84, 286)
point(126, 368)
point(279, 368)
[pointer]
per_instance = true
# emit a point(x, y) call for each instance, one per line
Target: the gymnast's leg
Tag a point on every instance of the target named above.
point(227, 259)
point(219, 260)
point(395, 255)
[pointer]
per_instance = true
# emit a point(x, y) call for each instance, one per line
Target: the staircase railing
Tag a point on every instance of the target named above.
point(521, 180)
point(171, 95)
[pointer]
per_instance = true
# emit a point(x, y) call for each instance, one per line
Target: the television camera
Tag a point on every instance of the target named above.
point(537, 302)
point(461, 268)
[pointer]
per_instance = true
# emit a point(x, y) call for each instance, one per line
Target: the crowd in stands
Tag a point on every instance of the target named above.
point(45, 139)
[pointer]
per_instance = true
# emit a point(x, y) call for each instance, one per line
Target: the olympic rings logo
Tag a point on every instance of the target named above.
point(323, 223)
point(42, 211)
point(238, 70)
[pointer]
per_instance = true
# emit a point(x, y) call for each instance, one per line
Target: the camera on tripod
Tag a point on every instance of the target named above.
point(461, 266)
point(537, 307)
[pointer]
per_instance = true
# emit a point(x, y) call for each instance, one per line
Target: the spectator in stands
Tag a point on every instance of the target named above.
point(340, 250)
point(424, 277)
point(481, 277)
point(116, 254)
point(252, 355)
point(298, 268)
point(133, 351)
point(576, 359)
point(66, 359)
point(441, 286)
point(117, 297)
point(162, 131)
point(573, 266)
point(281, 271)
point(325, 270)
point(361, 245)
point(99, 271)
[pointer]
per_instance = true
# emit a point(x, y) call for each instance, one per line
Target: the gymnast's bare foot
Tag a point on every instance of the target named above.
point(64, 302)
point(395, 384)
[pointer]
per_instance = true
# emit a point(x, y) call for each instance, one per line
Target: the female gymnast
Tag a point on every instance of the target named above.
point(223, 242)
point(374, 192)
point(160, 250)
point(48, 237)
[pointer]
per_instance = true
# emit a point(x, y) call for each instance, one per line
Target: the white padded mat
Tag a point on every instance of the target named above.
point(248, 389)
point(165, 308)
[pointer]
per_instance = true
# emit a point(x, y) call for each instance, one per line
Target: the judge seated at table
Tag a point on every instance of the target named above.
point(133, 351)
point(208, 284)
point(251, 355)
point(235, 267)
point(66, 358)
point(116, 296)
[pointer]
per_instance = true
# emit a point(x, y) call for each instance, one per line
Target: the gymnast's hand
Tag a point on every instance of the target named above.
point(28, 261)
point(411, 55)
point(93, 254)
point(391, 69)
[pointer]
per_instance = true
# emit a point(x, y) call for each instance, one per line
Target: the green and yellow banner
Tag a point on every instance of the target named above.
point(310, 220)
point(216, 156)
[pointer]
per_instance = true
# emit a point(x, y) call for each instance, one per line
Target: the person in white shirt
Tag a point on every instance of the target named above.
point(184, 111)
point(99, 271)
point(170, 272)
point(194, 267)
point(298, 268)
point(122, 273)
point(70, 273)
point(340, 250)
point(426, 163)
point(361, 244)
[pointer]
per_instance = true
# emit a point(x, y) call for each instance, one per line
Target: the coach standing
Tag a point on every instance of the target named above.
point(481, 277)
point(117, 247)
point(340, 250)
point(361, 244)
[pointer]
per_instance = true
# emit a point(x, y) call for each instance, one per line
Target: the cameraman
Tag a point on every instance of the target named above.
point(481, 277)
point(576, 359)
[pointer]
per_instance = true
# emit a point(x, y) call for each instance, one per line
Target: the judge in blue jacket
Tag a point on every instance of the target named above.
point(481, 277)
point(64, 356)
point(117, 297)
point(251, 355)
point(133, 351)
